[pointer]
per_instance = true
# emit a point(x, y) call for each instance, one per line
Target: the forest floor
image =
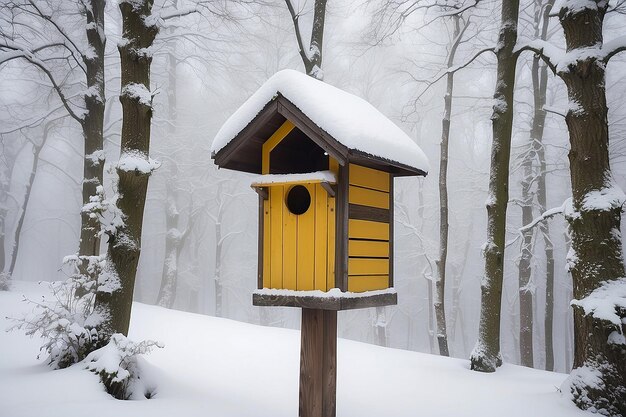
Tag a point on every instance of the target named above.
point(218, 367)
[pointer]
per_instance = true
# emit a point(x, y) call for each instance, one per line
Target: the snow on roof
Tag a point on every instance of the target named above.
point(349, 119)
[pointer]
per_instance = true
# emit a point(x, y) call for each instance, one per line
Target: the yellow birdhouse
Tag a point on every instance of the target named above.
point(327, 161)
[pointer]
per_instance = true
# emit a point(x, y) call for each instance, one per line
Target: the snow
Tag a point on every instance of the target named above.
point(137, 161)
point(223, 368)
point(332, 293)
point(604, 301)
point(138, 91)
point(318, 176)
point(608, 198)
point(349, 119)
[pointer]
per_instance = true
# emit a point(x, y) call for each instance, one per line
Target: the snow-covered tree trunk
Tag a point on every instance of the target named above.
point(173, 246)
point(134, 167)
point(92, 124)
point(217, 279)
point(596, 259)
point(440, 283)
point(486, 356)
point(526, 286)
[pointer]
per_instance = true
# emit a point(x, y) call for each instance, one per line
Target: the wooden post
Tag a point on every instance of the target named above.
point(318, 363)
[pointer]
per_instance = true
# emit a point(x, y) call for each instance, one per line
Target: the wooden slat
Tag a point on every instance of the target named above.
point(330, 272)
point(305, 257)
point(264, 241)
point(275, 253)
point(367, 283)
point(368, 266)
point(363, 229)
point(367, 197)
point(391, 229)
point(341, 237)
point(290, 235)
point(368, 248)
point(321, 237)
point(375, 214)
point(364, 300)
point(369, 178)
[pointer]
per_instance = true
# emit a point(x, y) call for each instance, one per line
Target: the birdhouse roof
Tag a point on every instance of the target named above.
point(344, 125)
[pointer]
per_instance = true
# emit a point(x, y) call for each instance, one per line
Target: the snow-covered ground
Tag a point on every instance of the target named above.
point(217, 367)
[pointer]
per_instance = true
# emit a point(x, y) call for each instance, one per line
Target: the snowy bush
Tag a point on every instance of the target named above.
point(116, 364)
point(68, 322)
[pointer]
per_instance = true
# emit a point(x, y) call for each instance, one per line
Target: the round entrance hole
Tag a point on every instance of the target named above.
point(298, 199)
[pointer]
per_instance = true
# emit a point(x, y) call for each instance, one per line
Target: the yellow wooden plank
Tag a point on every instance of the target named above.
point(368, 266)
point(321, 238)
point(368, 248)
point(368, 283)
point(333, 165)
point(367, 197)
point(276, 237)
point(365, 229)
point(267, 271)
point(330, 275)
point(290, 236)
point(306, 245)
point(368, 177)
point(272, 142)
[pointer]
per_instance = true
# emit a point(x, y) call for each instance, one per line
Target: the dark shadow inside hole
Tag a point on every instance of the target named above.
point(298, 199)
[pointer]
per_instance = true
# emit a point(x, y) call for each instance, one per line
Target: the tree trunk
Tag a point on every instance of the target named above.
point(526, 287)
point(217, 279)
point(596, 257)
point(27, 193)
point(380, 326)
point(134, 169)
point(314, 64)
point(92, 125)
point(440, 283)
point(486, 354)
point(173, 244)
point(539, 74)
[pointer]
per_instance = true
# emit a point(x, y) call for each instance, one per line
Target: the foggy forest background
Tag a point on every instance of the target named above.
point(206, 64)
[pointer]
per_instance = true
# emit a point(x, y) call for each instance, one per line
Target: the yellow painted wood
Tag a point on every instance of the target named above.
point(367, 197)
point(330, 274)
point(368, 248)
point(321, 238)
point(368, 266)
point(368, 177)
point(276, 237)
point(267, 271)
point(272, 142)
point(333, 165)
point(365, 229)
point(306, 245)
point(368, 283)
point(290, 236)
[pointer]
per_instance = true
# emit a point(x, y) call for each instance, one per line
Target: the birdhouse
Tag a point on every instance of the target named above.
point(326, 162)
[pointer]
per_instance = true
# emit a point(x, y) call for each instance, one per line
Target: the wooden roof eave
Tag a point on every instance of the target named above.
point(398, 169)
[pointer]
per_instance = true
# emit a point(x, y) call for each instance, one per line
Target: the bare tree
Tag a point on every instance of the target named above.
point(311, 56)
point(139, 30)
point(594, 214)
point(486, 355)
point(82, 54)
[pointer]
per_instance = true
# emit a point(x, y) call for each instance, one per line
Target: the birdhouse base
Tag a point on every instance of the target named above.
point(333, 300)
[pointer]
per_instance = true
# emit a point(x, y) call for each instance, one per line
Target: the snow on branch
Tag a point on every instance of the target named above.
point(546, 215)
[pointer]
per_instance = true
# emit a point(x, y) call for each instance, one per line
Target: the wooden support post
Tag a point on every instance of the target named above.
point(318, 363)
